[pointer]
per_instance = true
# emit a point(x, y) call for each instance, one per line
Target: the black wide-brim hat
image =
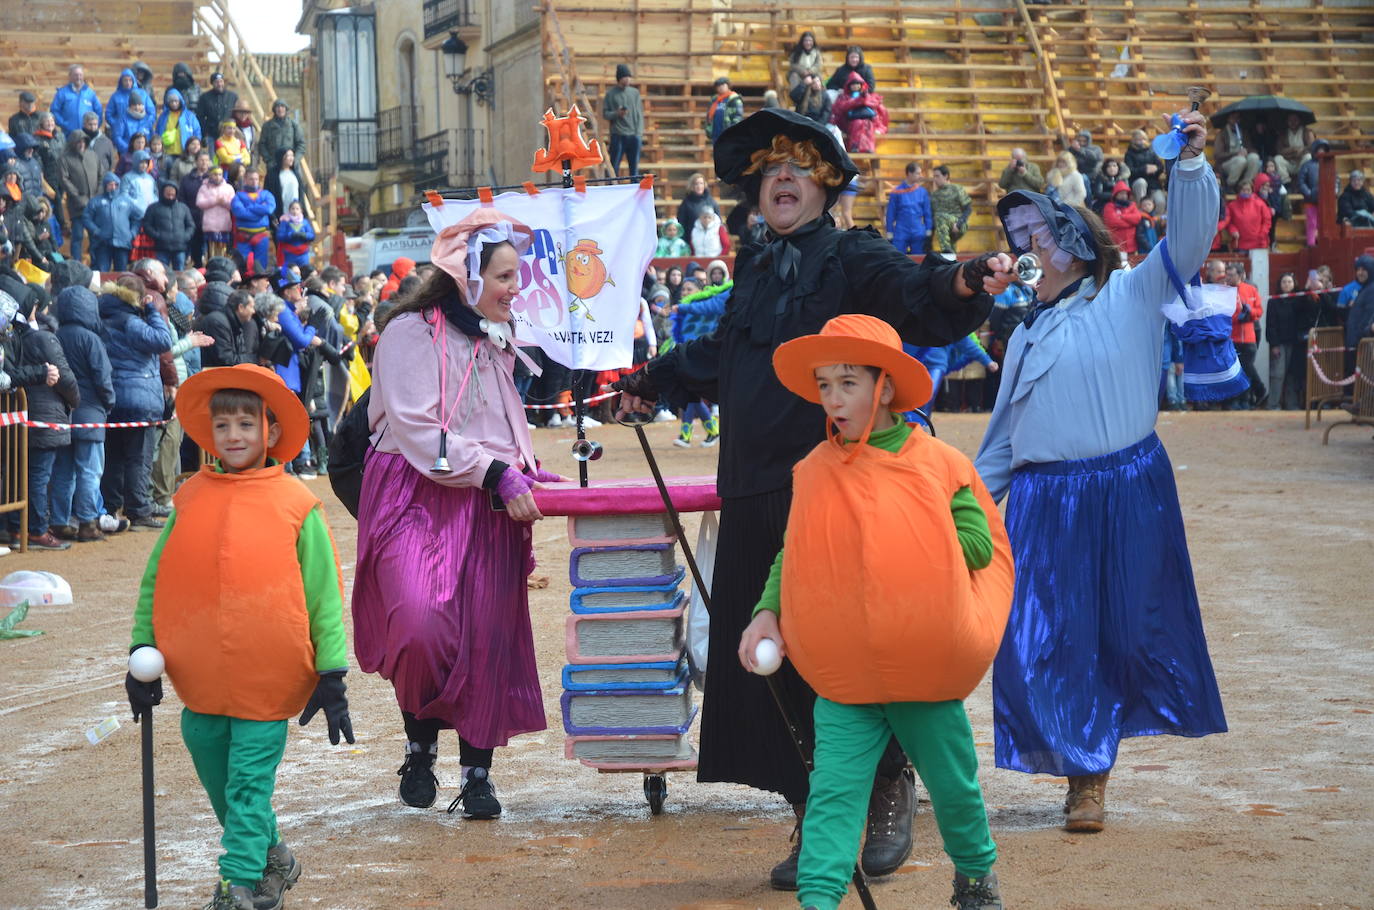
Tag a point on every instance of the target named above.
point(756, 131)
point(1071, 232)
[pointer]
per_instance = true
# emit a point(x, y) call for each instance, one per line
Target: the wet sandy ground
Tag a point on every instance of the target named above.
point(1277, 813)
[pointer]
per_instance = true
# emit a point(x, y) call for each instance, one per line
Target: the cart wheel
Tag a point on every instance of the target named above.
point(655, 791)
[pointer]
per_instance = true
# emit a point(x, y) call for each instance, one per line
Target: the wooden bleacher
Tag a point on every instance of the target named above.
point(965, 83)
point(105, 36)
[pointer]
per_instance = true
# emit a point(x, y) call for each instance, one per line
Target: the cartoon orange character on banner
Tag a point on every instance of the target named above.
point(586, 275)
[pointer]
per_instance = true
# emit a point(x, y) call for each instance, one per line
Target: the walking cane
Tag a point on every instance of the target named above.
point(637, 420)
point(149, 835)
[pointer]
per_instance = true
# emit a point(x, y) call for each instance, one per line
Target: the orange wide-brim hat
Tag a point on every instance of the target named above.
point(193, 406)
point(860, 341)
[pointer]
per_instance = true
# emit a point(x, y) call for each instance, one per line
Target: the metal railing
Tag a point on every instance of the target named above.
point(450, 158)
point(355, 144)
point(14, 462)
point(445, 15)
point(396, 132)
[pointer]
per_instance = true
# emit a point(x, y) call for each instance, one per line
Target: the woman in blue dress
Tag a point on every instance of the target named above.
point(1105, 637)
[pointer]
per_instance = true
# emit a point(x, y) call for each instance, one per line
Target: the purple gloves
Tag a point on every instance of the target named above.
point(513, 485)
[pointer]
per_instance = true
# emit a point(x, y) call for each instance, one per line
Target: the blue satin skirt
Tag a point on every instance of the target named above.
point(1105, 636)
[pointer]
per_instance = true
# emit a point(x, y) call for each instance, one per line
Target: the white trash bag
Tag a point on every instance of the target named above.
point(35, 587)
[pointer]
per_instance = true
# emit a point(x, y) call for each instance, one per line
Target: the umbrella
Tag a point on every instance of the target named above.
point(1272, 107)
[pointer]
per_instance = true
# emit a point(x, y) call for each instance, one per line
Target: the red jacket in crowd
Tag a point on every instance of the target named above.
point(1249, 216)
point(1122, 219)
point(1247, 295)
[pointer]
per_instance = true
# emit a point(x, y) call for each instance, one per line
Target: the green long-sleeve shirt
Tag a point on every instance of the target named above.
point(319, 575)
point(970, 522)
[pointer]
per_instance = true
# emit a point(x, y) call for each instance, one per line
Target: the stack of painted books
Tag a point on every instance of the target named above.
point(627, 701)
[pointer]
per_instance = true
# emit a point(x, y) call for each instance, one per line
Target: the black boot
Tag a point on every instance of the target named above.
point(890, 810)
point(784, 874)
point(976, 893)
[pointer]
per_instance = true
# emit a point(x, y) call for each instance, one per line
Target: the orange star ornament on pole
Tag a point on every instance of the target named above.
point(567, 150)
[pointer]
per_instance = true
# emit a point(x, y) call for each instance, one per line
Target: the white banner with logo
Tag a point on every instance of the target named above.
point(580, 280)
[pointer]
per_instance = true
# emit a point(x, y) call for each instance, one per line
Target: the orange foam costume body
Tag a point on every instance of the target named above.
point(877, 603)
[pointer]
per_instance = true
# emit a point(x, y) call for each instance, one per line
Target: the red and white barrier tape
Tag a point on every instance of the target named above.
point(1349, 380)
point(14, 418)
point(567, 404)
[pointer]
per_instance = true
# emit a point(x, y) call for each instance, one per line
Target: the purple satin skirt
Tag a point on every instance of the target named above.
point(440, 606)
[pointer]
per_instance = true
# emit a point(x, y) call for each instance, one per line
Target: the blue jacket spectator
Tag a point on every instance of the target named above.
point(300, 337)
point(139, 184)
point(128, 122)
point(182, 129)
point(119, 101)
point(71, 102)
point(252, 209)
point(135, 335)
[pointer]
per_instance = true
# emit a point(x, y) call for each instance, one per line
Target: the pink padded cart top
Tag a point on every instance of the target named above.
point(627, 497)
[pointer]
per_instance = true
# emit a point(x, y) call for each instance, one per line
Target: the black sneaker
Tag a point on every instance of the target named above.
point(478, 796)
point(146, 521)
point(419, 786)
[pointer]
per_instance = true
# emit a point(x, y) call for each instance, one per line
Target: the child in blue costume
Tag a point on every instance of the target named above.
point(697, 316)
point(951, 358)
point(1105, 637)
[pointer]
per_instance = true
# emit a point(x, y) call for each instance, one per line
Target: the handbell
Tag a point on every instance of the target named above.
point(586, 450)
point(441, 465)
point(1028, 268)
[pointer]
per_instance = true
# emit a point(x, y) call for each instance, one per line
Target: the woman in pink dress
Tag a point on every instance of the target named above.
point(440, 603)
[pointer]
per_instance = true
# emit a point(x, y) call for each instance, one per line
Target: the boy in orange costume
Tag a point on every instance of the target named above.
point(243, 597)
point(890, 597)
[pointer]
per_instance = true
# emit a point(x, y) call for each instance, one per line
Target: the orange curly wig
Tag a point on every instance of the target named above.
point(804, 153)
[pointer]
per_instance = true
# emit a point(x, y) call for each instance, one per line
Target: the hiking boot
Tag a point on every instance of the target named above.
point(160, 511)
point(89, 531)
point(63, 532)
point(46, 541)
point(147, 521)
point(478, 796)
point(891, 807)
point(684, 439)
point(230, 897)
point(1086, 803)
point(976, 893)
point(281, 873)
point(419, 786)
point(784, 874)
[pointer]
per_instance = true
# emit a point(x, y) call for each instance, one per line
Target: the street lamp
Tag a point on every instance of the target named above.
point(480, 85)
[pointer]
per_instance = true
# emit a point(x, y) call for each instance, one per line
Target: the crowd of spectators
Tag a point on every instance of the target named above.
point(143, 239)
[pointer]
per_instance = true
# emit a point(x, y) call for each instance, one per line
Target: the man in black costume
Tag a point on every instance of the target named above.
point(808, 273)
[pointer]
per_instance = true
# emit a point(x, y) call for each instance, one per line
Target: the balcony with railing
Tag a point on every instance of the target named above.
point(443, 16)
point(450, 159)
point(397, 131)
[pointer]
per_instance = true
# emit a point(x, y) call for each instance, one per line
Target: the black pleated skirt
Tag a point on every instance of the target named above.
point(743, 737)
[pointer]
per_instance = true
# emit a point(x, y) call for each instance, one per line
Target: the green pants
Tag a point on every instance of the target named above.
point(945, 228)
point(236, 761)
point(849, 739)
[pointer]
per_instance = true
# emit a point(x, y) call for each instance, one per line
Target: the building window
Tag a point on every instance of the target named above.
point(348, 86)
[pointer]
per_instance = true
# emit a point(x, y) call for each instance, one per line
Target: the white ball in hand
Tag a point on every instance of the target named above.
point(146, 664)
point(767, 658)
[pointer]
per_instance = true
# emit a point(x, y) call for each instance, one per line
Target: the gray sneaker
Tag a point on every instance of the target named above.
point(281, 873)
point(230, 897)
point(976, 893)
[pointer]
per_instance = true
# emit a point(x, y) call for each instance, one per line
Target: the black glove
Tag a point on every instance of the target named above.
point(329, 695)
point(637, 384)
point(142, 695)
point(975, 270)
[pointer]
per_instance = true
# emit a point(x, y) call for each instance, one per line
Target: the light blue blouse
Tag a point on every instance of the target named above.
point(1084, 379)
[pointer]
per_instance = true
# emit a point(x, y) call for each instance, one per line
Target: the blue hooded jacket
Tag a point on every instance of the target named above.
point(98, 218)
point(79, 330)
point(142, 187)
point(135, 334)
point(952, 357)
point(126, 214)
point(123, 128)
point(119, 101)
point(188, 124)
